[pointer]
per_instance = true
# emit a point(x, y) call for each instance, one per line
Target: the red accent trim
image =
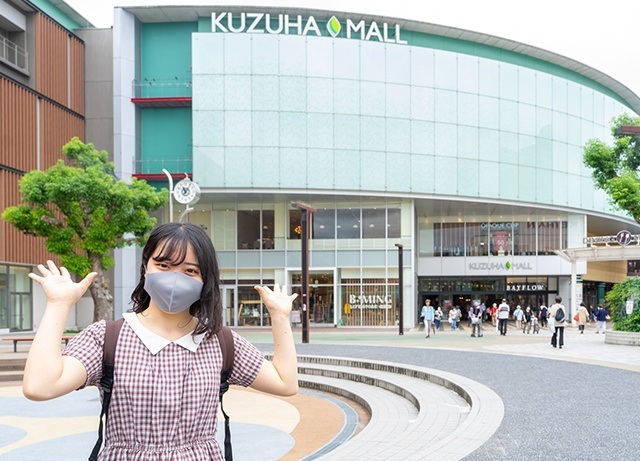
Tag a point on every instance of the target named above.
point(182, 101)
point(160, 176)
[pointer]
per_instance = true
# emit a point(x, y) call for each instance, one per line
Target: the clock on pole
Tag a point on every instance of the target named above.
point(186, 192)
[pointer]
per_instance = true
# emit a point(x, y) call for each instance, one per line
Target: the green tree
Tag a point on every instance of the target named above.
point(83, 211)
point(615, 168)
point(616, 302)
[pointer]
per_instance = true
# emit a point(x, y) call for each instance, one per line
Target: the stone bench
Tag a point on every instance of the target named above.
point(17, 339)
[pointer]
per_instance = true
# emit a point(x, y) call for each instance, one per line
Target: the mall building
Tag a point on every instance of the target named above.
point(460, 149)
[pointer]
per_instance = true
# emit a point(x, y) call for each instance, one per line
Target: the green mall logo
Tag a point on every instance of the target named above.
point(267, 23)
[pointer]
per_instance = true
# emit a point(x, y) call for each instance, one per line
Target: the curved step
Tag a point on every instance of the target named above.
point(416, 413)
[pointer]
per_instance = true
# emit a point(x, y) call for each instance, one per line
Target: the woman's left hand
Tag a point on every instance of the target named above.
point(277, 300)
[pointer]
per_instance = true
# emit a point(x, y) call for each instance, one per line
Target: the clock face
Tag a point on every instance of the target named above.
point(186, 191)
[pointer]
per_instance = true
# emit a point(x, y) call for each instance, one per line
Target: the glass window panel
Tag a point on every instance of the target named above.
point(445, 67)
point(236, 49)
point(398, 64)
point(422, 103)
point(248, 229)
point(374, 223)
point(296, 160)
point(320, 95)
point(467, 142)
point(544, 154)
point(237, 163)
point(398, 135)
point(467, 73)
point(264, 92)
point(446, 140)
point(477, 242)
point(293, 94)
point(488, 112)
point(422, 66)
point(489, 77)
point(544, 90)
point(508, 115)
point(489, 145)
point(347, 96)
point(559, 94)
point(559, 156)
point(527, 150)
point(292, 55)
point(295, 224)
point(560, 126)
point(550, 236)
point(319, 57)
point(347, 169)
point(264, 54)
point(587, 103)
point(373, 133)
point(508, 147)
point(452, 239)
point(393, 223)
point(468, 107)
point(527, 123)
point(237, 128)
point(237, 92)
point(527, 85)
point(574, 130)
point(598, 108)
point(324, 224)
point(293, 130)
point(264, 166)
point(372, 98)
point(348, 223)
point(347, 131)
point(446, 106)
point(265, 129)
point(508, 81)
point(573, 98)
point(422, 137)
point(320, 130)
point(544, 123)
point(373, 170)
point(398, 101)
point(372, 61)
point(209, 92)
point(346, 59)
point(468, 177)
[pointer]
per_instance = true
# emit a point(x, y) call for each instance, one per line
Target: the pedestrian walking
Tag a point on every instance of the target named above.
point(438, 317)
point(583, 317)
point(503, 317)
point(557, 317)
point(527, 318)
point(452, 318)
point(544, 314)
point(517, 315)
point(476, 321)
point(428, 315)
point(601, 319)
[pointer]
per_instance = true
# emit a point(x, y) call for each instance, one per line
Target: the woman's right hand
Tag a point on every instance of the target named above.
point(58, 286)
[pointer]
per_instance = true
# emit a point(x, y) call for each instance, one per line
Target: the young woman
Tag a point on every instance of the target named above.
point(168, 360)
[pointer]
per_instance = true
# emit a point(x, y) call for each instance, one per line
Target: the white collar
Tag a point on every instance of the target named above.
point(155, 343)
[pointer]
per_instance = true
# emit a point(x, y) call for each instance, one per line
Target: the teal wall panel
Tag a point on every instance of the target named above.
point(166, 140)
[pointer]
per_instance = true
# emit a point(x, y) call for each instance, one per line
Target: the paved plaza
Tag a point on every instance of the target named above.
point(576, 403)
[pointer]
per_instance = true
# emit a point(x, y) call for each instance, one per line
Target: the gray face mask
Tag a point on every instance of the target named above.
point(172, 292)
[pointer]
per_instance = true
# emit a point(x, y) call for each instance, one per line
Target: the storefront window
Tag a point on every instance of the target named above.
point(373, 222)
point(551, 236)
point(477, 239)
point(348, 225)
point(370, 302)
point(251, 311)
point(255, 229)
point(324, 224)
point(393, 223)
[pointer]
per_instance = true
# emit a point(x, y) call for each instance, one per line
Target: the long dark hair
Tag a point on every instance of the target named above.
point(174, 239)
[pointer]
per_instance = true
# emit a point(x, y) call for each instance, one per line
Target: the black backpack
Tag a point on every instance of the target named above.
point(225, 338)
point(560, 314)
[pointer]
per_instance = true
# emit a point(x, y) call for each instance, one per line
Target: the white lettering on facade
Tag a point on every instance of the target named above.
point(370, 302)
point(259, 23)
point(500, 266)
point(535, 287)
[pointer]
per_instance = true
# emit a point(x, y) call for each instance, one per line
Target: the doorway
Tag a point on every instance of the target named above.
point(321, 295)
point(229, 305)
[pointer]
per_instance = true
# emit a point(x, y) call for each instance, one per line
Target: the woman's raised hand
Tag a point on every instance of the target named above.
point(58, 285)
point(277, 300)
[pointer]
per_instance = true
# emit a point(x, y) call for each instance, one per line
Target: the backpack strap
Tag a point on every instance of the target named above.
point(106, 383)
point(225, 338)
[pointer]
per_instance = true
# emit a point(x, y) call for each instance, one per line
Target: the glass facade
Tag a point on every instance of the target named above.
point(16, 313)
point(367, 116)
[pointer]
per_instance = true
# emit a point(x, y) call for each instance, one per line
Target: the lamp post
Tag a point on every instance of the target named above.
point(170, 178)
point(400, 290)
point(304, 217)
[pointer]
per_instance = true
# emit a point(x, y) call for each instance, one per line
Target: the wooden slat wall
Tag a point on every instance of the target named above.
point(57, 51)
point(18, 150)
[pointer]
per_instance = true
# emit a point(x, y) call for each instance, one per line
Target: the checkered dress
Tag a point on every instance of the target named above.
point(164, 406)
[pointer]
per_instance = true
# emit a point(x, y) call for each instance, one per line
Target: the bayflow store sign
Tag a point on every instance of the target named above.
point(266, 23)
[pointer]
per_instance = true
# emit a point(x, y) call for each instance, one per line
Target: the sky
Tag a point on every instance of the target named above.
point(598, 33)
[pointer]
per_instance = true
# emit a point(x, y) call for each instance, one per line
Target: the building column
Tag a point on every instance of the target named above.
point(600, 293)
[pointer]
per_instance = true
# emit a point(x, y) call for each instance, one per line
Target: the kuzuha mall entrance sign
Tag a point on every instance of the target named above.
point(622, 246)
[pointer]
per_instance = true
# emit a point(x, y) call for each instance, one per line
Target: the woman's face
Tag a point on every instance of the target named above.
point(188, 267)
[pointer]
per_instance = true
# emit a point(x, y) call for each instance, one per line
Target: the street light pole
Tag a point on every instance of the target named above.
point(170, 193)
point(304, 212)
point(400, 290)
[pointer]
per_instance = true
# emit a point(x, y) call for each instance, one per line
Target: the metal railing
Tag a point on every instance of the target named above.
point(179, 164)
point(158, 88)
point(13, 54)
